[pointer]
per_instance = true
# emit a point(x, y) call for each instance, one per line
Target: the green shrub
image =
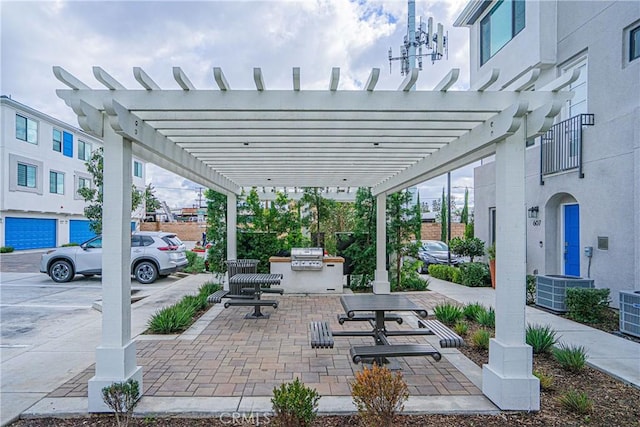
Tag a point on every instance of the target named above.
point(172, 319)
point(474, 274)
point(540, 338)
point(486, 318)
point(461, 328)
point(294, 404)
point(409, 277)
point(6, 249)
point(122, 398)
point(208, 288)
point(197, 302)
point(70, 244)
point(472, 247)
point(471, 310)
point(456, 277)
point(360, 283)
point(587, 305)
point(546, 381)
point(439, 271)
point(480, 339)
point(531, 289)
point(379, 395)
point(447, 313)
point(195, 264)
point(576, 402)
point(571, 358)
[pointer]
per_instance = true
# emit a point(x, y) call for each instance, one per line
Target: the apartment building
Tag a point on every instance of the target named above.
point(583, 176)
point(43, 166)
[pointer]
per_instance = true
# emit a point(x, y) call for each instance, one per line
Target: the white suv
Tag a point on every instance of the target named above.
point(153, 255)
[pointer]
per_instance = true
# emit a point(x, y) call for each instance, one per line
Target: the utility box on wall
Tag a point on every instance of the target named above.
point(551, 290)
point(630, 312)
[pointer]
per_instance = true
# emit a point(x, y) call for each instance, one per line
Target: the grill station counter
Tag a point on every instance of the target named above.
point(308, 271)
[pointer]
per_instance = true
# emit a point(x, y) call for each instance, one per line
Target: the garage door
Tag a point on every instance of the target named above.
point(79, 231)
point(30, 233)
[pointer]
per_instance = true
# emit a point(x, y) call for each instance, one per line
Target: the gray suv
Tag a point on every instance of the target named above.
point(153, 255)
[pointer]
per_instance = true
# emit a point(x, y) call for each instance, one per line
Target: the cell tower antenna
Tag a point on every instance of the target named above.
point(434, 42)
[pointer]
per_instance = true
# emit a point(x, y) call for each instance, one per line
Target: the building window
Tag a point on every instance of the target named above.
point(67, 144)
point(56, 182)
point(84, 150)
point(84, 183)
point(26, 129)
point(57, 140)
point(137, 169)
point(503, 22)
point(27, 175)
point(577, 104)
point(634, 44)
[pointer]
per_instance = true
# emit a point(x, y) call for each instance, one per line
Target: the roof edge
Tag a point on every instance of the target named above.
point(471, 13)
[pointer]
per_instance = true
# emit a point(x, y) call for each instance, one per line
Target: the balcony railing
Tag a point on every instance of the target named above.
point(561, 146)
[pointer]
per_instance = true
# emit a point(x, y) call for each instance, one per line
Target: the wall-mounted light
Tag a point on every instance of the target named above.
point(533, 212)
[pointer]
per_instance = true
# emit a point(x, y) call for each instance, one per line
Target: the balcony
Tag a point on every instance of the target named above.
point(561, 146)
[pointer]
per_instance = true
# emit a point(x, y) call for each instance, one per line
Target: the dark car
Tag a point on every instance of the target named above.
point(436, 252)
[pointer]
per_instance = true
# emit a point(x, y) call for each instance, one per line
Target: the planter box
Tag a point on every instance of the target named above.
point(630, 313)
point(551, 290)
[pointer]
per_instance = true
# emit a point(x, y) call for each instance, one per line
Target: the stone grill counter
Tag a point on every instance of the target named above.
point(326, 280)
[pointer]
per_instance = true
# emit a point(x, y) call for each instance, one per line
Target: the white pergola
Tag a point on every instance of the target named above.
point(229, 139)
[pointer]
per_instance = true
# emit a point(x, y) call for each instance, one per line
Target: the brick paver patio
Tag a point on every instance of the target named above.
point(233, 356)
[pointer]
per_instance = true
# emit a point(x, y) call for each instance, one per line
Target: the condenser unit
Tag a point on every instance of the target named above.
point(630, 312)
point(551, 290)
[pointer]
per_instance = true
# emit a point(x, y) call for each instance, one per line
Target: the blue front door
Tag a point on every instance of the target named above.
point(572, 240)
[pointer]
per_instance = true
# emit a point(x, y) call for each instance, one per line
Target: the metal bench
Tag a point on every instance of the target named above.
point(252, 291)
point(448, 338)
point(380, 352)
point(251, 302)
point(363, 317)
point(217, 296)
point(321, 335)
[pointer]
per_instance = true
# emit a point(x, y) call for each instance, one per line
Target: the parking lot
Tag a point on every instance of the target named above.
point(33, 307)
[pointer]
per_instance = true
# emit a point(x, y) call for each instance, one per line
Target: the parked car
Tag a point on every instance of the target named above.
point(436, 252)
point(153, 255)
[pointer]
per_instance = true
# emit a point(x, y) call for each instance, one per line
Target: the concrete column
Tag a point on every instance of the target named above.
point(232, 238)
point(116, 355)
point(508, 380)
point(381, 283)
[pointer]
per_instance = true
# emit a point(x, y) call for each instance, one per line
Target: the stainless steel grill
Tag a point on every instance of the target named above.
point(306, 258)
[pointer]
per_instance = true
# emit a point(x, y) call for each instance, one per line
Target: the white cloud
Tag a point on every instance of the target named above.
point(315, 35)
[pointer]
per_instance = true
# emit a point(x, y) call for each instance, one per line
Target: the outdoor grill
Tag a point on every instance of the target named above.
point(306, 258)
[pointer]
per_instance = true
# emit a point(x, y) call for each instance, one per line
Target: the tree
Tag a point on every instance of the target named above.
point(362, 252)
point(443, 218)
point(216, 230)
point(402, 224)
point(320, 208)
point(151, 202)
point(93, 195)
point(464, 216)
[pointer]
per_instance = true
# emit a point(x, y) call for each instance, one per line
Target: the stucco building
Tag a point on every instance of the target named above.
point(583, 176)
point(43, 166)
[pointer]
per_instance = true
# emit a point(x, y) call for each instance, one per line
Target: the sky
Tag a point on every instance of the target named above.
point(238, 35)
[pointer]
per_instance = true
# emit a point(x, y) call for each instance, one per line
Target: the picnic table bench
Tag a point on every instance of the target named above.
point(448, 338)
point(240, 281)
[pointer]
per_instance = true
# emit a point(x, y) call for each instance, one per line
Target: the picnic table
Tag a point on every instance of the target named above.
point(378, 309)
point(250, 288)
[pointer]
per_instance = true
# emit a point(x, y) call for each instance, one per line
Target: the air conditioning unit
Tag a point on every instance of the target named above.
point(630, 312)
point(551, 290)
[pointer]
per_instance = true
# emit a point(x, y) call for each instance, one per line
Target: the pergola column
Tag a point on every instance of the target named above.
point(508, 380)
point(116, 355)
point(381, 283)
point(232, 222)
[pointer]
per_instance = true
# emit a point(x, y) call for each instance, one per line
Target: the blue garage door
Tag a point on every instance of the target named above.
point(30, 233)
point(79, 231)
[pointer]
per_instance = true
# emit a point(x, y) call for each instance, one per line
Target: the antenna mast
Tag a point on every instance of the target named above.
point(434, 42)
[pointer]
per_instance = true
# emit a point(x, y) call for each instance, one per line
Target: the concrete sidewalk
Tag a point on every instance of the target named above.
point(613, 355)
